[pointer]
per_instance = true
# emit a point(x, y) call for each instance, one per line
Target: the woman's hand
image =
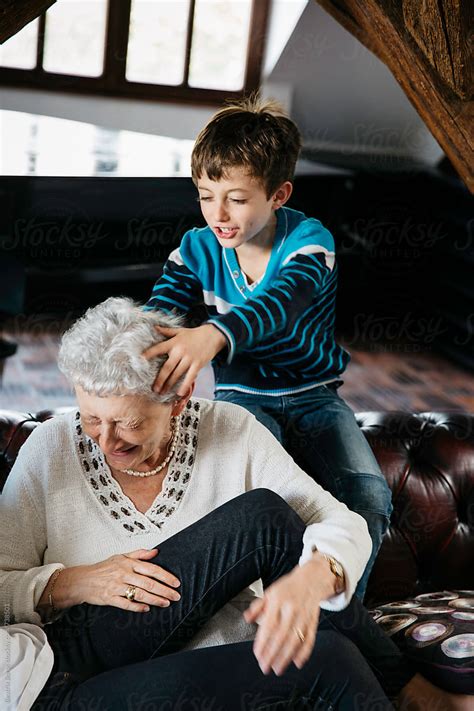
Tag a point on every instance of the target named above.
point(105, 583)
point(188, 350)
point(290, 604)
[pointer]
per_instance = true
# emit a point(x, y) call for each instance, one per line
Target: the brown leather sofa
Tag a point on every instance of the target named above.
point(428, 460)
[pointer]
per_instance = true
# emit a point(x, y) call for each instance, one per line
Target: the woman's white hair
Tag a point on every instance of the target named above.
point(102, 351)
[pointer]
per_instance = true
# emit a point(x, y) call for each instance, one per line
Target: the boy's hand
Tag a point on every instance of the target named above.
point(188, 350)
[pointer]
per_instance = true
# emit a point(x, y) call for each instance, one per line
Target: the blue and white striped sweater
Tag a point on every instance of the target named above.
point(280, 330)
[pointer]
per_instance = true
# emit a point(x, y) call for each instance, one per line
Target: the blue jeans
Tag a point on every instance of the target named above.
point(319, 430)
point(125, 660)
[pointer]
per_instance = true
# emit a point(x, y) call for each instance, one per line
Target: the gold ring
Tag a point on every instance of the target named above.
point(130, 592)
point(301, 636)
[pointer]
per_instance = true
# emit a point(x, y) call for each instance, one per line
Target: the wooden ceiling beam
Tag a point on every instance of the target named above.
point(14, 15)
point(427, 49)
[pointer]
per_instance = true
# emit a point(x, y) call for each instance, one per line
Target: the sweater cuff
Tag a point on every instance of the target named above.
point(220, 357)
point(352, 571)
point(26, 611)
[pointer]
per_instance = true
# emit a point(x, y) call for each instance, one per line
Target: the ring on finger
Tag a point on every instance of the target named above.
point(130, 592)
point(299, 634)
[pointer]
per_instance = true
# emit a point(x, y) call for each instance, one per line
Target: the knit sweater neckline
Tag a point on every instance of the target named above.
point(108, 491)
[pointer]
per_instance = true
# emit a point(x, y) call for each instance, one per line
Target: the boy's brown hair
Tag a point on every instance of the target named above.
point(252, 134)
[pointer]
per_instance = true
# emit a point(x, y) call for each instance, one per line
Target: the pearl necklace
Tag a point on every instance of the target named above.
point(163, 464)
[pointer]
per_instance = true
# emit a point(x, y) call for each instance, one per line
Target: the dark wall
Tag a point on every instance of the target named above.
point(405, 245)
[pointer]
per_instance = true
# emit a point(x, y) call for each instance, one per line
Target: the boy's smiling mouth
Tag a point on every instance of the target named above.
point(226, 232)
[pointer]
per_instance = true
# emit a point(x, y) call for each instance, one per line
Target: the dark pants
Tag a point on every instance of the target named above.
point(319, 430)
point(256, 535)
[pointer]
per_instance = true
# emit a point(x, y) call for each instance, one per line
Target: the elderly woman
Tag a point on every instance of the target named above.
point(173, 550)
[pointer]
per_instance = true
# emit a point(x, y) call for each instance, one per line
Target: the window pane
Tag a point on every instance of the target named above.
point(19, 51)
point(157, 41)
point(75, 37)
point(219, 48)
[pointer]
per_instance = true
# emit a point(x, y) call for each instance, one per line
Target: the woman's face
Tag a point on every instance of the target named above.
point(130, 430)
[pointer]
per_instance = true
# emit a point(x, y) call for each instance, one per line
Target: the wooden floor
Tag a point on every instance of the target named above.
point(394, 379)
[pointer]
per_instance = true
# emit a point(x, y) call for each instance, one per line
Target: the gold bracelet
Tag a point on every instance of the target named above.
point(336, 569)
point(54, 578)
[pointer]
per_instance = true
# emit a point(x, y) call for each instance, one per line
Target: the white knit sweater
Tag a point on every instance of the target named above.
point(61, 507)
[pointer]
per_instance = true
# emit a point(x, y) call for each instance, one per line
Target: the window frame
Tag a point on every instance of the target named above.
point(113, 83)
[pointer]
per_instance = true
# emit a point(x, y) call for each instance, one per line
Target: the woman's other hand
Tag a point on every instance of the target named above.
point(288, 616)
point(106, 583)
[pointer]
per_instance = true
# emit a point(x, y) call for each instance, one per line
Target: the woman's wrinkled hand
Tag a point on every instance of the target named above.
point(106, 583)
point(291, 603)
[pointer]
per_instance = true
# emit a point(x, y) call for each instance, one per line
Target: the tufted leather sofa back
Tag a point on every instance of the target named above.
point(428, 460)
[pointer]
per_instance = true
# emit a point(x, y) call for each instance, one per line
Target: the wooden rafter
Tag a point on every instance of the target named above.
point(425, 44)
point(15, 14)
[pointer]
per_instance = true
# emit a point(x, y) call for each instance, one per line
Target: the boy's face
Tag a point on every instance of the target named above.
point(237, 209)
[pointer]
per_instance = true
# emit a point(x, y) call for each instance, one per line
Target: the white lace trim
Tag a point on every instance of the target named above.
point(108, 492)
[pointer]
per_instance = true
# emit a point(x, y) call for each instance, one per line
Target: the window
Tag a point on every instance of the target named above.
point(75, 38)
point(21, 49)
point(186, 50)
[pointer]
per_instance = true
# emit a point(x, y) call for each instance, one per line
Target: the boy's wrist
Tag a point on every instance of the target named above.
point(217, 338)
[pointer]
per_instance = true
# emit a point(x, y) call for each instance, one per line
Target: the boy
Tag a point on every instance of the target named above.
point(267, 276)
